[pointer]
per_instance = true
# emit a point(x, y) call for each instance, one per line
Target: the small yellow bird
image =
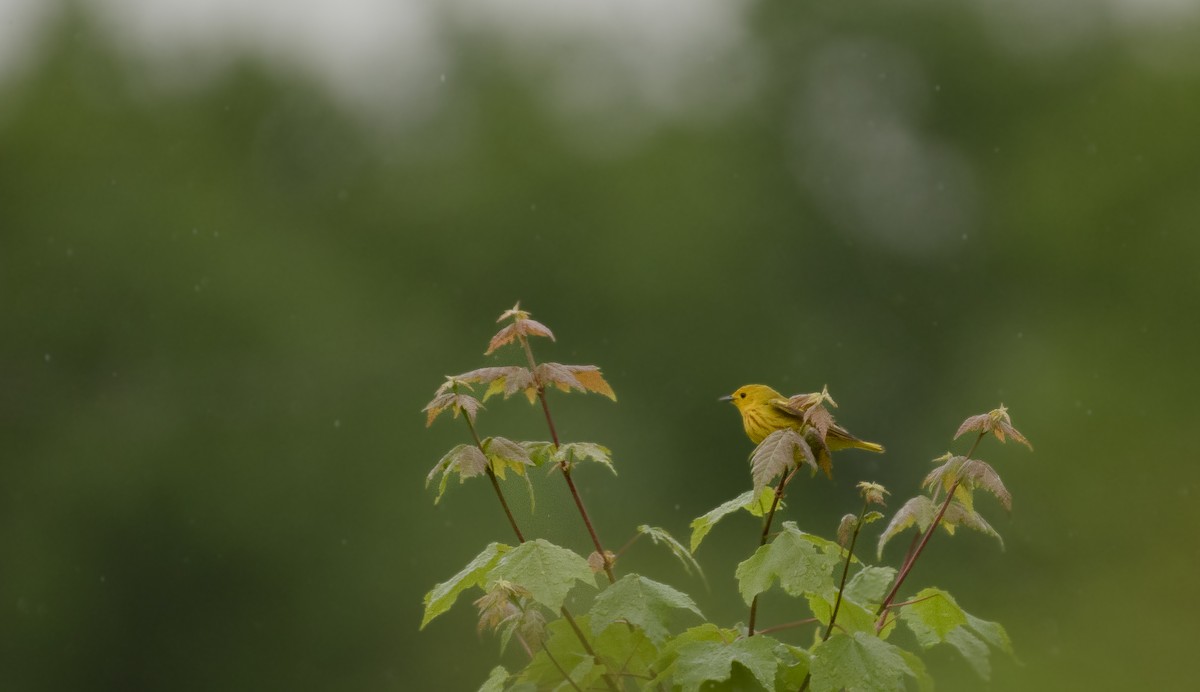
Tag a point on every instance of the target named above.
point(765, 410)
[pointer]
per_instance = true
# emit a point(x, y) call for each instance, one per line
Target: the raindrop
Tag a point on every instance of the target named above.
point(47, 357)
point(337, 423)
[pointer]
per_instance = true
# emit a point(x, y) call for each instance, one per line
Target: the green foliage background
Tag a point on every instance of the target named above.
point(225, 305)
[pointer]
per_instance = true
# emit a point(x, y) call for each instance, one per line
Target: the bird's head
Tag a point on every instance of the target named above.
point(752, 395)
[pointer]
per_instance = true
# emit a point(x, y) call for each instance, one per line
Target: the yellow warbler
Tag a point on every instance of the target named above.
point(765, 410)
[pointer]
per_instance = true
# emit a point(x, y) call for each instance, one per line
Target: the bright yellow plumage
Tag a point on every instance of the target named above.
point(765, 410)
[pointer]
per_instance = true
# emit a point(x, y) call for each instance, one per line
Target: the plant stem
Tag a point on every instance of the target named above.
point(495, 483)
point(561, 670)
point(837, 602)
point(566, 469)
point(912, 559)
point(762, 540)
point(587, 646)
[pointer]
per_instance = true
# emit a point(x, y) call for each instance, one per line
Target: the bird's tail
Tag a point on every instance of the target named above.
point(839, 438)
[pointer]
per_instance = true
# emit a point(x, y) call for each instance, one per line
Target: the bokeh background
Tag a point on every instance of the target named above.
point(241, 244)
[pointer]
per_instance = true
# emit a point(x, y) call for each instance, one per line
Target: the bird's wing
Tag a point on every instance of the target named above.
point(787, 406)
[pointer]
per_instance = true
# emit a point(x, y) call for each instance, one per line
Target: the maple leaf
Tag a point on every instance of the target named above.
point(779, 453)
point(997, 422)
point(641, 602)
point(506, 379)
point(545, 570)
point(540, 452)
point(503, 454)
point(522, 326)
point(800, 562)
point(441, 597)
point(497, 606)
point(447, 397)
point(872, 492)
point(758, 505)
point(583, 378)
point(572, 452)
point(591, 379)
point(969, 474)
point(919, 510)
point(934, 617)
point(958, 514)
point(860, 661)
point(661, 536)
point(465, 460)
point(820, 450)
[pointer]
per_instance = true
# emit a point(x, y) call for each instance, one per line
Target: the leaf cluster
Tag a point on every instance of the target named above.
point(635, 632)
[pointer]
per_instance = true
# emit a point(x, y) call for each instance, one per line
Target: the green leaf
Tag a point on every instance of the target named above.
point(801, 562)
point(917, 666)
point(760, 505)
point(851, 616)
point(626, 650)
point(441, 597)
point(919, 510)
point(794, 671)
point(870, 584)
point(567, 651)
point(641, 602)
point(972, 648)
point(932, 615)
point(700, 662)
point(703, 524)
point(858, 662)
point(936, 618)
point(677, 549)
point(495, 681)
point(545, 570)
point(582, 451)
point(992, 632)
point(779, 453)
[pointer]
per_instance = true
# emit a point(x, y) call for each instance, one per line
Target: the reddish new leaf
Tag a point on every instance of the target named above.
point(969, 474)
point(583, 378)
point(465, 460)
point(558, 375)
point(779, 453)
point(591, 379)
point(997, 422)
point(506, 379)
point(958, 514)
point(920, 511)
point(457, 403)
point(521, 327)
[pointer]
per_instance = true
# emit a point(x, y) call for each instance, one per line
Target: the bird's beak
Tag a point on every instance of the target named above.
point(727, 397)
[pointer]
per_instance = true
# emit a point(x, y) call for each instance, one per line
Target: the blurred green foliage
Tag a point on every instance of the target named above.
point(224, 307)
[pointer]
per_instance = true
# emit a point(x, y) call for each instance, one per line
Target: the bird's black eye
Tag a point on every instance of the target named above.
point(743, 395)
